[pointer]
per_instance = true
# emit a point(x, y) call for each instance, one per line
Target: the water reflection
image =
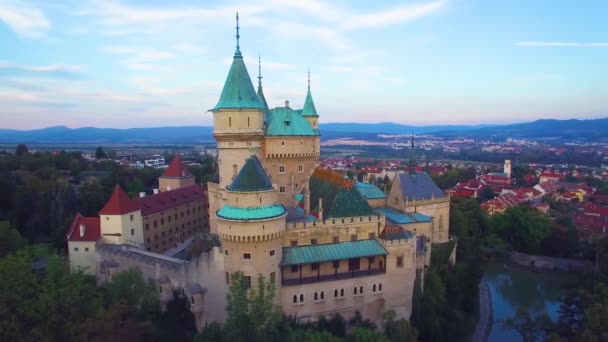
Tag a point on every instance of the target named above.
point(512, 286)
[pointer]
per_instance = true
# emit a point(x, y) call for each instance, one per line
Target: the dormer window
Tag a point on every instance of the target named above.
point(287, 123)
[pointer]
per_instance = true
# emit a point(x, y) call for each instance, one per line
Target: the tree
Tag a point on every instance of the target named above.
point(523, 228)
point(486, 194)
point(530, 329)
point(21, 150)
point(398, 330)
point(361, 334)
point(100, 153)
point(10, 239)
point(129, 288)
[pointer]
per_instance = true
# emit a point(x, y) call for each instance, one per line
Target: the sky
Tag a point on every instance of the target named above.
point(152, 63)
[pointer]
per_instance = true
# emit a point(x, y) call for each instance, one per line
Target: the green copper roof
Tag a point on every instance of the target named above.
point(252, 177)
point(262, 98)
point(238, 90)
point(309, 106)
point(284, 121)
point(349, 203)
point(256, 213)
point(369, 191)
point(331, 251)
point(400, 217)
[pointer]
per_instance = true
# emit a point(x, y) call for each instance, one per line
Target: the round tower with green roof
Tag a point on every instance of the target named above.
point(238, 119)
point(251, 225)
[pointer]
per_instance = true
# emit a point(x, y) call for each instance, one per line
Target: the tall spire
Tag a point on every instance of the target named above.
point(260, 92)
point(309, 105)
point(239, 91)
point(238, 48)
point(259, 70)
point(412, 159)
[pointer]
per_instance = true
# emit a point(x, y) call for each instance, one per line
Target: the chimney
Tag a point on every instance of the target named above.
point(142, 194)
point(155, 191)
point(286, 103)
point(320, 208)
point(82, 229)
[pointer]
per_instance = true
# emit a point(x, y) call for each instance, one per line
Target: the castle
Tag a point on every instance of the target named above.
point(330, 244)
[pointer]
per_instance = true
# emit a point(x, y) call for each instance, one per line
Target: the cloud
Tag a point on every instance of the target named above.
point(51, 71)
point(392, 16)
point(561, 44)
point(23, 19)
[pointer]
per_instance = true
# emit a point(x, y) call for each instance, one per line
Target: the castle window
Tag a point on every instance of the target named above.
point(372, 236)
point(86, 249)
point(281, 169)
point(354, 264)
point(336, 264)
point(316, 296)
point(355, 290)
point(131, 217)
point(294, 268)
point(314, 266)
point(301, 168)
point(400, 261)
point(440, 223)
point(322, 295)
point(336, 293)
point(371, 260)
point(225, 251)
point(248, 282)
point(374, 288)
point(282, 189)
point(229, 121)
point(313, 241)
point(248, 121)
point(147, 226)
point(360, 289)
point(283, 142)
point(295, 299)
point(380, 288)
point(273, 277)
point(353, 237)
point(301, 297)
point(234, 167)
point(342, 293)
point(246, 256)
point(132, 231)
point(75, 249)
point(293, 243)
point(335, 239)
point(272, 252)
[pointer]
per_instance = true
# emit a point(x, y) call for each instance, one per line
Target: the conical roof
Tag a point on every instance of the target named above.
point(238, 90)
point(177, 169)
point(252, 177)
point(262, 98)
point(309, 106)
point(119, 203)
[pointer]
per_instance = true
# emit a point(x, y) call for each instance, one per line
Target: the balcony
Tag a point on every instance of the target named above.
point(333, 277)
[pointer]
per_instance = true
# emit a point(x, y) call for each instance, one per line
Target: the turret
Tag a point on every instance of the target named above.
point(309, 111)
point(238, 119)
point(121, 220)
point(176, 176)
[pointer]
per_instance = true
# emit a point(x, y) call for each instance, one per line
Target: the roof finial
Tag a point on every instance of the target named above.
point(412, 157)
point(259, 70)
point(308, 78)
point(237, 31)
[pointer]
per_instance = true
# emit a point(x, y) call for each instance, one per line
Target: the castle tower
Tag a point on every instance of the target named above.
point(176, 176)
point(251, 225)
point(309, 111)
point(121, 220)
point(238, 119)
point(507, 168)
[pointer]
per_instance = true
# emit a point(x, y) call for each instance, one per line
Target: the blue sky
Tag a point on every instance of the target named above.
point(119, 63)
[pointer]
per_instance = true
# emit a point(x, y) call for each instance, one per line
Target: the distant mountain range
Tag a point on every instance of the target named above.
point(567, 129)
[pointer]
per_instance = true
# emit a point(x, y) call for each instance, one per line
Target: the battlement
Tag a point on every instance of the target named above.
point(332, 222)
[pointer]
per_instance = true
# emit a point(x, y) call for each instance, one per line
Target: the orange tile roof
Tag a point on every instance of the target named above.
point(119, 203)
point(177, 169)
point(92, 230)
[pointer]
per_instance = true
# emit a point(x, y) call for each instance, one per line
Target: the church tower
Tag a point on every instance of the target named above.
point(238, 119)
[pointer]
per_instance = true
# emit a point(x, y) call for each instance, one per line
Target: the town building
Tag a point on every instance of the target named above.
point(329, 244)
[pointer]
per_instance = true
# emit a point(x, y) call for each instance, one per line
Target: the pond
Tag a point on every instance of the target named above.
point(512, 286)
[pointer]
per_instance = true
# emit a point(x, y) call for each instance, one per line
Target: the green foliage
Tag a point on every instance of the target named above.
point(531, 329)
point(203, 243)
point(132, 290)
point(453, 176)
point(522, 228)
point(21, 150)
point(10, 239)
point(398, 330)
point(361, 334)
point(100, 153)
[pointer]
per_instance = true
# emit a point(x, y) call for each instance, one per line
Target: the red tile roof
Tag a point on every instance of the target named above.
point(119, 203)
point(92, 231)
point(177, 169)
point(170, 199)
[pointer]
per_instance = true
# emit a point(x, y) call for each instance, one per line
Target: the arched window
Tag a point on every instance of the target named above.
point(360, 289)
point(316, 296)
point(234, 167)
point(374, 288)
point(322, 295)
point(301, 297)
point(229, 121)
point(440, 223)
point(355, 290)
point(342, 293)
point(380, 287)
point(336, 293)
point(248, 121)
point(295, 299)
